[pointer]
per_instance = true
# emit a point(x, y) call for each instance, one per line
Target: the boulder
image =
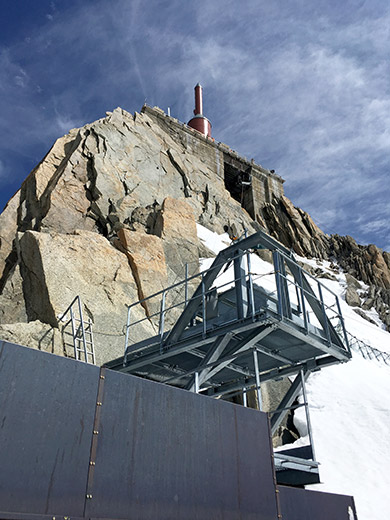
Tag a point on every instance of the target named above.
point(352, 297)
point(177, 226)
point(8, 229)
point(57, 267)
point(12, 303)
point(34, 334)
point(352, 282)
point(147, 260)
point(362, 314)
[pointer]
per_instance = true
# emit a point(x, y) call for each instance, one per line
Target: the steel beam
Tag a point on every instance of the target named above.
point(314, 364)
point(259, 240)
point(308, 422)
point(287, 402)
point(240, 284)
point(236, 368)
point(283, 303)
point(231, 366)
point(213, 354)
point(275, 355)
point(257, 377)
point(244, 345)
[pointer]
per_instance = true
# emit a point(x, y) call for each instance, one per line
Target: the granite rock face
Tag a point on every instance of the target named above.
point(147, 260)
point(56, 267)
point(110, 215)
point(295, 229)
point(40, 335)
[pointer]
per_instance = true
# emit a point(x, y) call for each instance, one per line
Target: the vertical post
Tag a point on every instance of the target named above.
point(342, 324)
point(279, 288)
point(250, 280)
point(284, 305)
point(127, 327)
point(300, 282)
point(186, 285)
point(92, 353)
point(240, 284)
point(308, 422)
point(257, 376)
point(162, 316)
point(326, 325)
point(82, 328)
point(299, 306)
point(244, 397)
point(283, 277)
point(204, 307)
point(196, 382)
point(74, 334)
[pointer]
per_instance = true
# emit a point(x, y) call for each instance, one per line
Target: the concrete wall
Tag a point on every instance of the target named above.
point(265, 185)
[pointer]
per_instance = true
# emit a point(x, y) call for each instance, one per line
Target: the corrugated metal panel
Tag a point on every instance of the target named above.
point(47, 407)
point(168, 454)
point(301, 504)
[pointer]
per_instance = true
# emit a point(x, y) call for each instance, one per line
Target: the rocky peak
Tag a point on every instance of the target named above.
point(110, 214)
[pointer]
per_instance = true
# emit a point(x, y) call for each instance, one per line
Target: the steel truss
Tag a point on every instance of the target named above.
point(230, 336)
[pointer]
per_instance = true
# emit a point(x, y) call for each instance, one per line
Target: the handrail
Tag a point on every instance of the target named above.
point(302, 294)
point(182, 282)
point(80, 330)
point(186, 280)
point(68, 308)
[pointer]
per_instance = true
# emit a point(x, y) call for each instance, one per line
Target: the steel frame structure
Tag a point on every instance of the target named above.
point(229, 338)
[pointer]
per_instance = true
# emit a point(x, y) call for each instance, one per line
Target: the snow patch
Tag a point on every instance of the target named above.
point(349, 403)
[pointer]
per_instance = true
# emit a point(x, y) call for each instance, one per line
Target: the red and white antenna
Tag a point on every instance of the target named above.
point(199, 122)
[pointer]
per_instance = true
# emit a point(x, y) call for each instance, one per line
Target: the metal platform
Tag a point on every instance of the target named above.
point(239, 328)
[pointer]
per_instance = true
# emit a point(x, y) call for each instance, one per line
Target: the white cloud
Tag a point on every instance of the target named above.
point(374, 225)
point(304, 89)
point(21, 78)
point(65, 123)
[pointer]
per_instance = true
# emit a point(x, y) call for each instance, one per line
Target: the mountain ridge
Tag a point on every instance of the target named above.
point(126, 180)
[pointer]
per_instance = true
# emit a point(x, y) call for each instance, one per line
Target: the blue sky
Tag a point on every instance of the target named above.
point(302, 86)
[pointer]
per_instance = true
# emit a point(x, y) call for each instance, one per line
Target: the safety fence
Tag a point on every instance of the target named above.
point(366, 350)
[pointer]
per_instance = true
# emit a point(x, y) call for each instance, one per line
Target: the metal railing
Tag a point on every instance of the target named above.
point(164, 307)
point(293, 292)
point(80, 331)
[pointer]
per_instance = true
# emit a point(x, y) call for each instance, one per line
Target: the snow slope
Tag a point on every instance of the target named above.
point(349, 405)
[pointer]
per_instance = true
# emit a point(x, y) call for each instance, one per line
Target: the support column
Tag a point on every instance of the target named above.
point(240, 283)
point(196, 382)
point(257, 376)
point(309, 430)
point(244, 397)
